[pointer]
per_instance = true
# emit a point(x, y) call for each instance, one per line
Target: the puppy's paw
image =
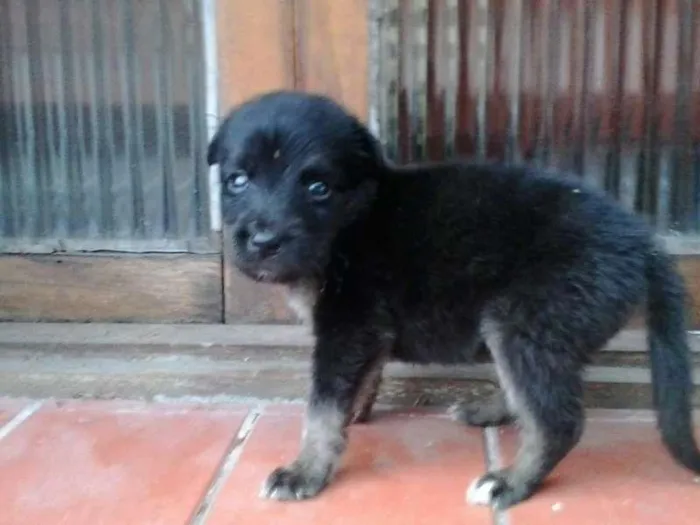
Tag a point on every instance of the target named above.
point(496, 490)
point(485, 413)
point(293, 483)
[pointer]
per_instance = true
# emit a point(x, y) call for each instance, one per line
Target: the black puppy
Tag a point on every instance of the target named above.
point(425, 263)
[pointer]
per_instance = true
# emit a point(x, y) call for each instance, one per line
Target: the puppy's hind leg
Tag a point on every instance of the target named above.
point(367, 394)
point(544, 390)
point(492, 411)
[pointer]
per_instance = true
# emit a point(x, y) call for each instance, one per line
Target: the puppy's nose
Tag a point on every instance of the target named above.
point(264, 241)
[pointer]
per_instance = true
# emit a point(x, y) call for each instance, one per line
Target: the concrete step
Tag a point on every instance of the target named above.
point(258, 361)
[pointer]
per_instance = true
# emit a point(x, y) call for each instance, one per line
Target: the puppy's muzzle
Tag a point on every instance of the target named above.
point(264, 242)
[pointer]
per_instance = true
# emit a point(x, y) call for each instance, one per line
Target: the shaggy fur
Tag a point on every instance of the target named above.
point(428, 262)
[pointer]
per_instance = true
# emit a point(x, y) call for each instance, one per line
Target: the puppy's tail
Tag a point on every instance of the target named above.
point(672, 382)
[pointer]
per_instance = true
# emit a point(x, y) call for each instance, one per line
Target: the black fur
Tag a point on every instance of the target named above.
point(427, 262)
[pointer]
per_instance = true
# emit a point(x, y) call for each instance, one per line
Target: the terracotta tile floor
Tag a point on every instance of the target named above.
point(103, 463)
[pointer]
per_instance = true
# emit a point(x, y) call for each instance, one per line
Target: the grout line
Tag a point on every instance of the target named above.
point(20, 418)
point(231, 460)
point(493, 462)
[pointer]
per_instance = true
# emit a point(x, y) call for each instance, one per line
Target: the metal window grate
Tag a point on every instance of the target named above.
point(608, 89)
point(102, 126)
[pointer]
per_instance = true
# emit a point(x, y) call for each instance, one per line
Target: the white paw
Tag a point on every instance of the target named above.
point(481, 492)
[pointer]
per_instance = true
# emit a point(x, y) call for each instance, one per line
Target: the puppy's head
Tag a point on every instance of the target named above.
point(295, 170)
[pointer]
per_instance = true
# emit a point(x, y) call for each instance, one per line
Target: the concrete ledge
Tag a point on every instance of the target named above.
point(261, 361)
point(270, 335)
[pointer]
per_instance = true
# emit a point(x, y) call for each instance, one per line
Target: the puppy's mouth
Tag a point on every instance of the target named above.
point(270, 268)
point(258, 272)
point(262, 270)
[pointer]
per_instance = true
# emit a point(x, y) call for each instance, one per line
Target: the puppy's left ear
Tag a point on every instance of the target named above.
point(214, 149)
point(375, 147)
point(370, 147)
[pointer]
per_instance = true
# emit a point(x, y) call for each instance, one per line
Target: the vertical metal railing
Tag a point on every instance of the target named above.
point(607, 89)
point(103, 126)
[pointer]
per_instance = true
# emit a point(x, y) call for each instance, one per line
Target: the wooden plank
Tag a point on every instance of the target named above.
point(141, 289)
point(311, 45)
point(256, 54)
point(332, 41)
point(256, 48)
point(253, 302)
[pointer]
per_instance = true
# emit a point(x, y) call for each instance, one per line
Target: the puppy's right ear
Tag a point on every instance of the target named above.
point(214, 149)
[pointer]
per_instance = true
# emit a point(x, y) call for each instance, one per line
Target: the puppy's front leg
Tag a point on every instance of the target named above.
point(340, 369)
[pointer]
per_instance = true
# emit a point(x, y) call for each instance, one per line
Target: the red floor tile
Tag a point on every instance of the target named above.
point(618, 475)
point(399, 469)
point(105, 464)
point(9, 408)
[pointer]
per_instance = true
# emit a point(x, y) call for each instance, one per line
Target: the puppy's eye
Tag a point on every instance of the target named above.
point(237, 182)
point(319, 191)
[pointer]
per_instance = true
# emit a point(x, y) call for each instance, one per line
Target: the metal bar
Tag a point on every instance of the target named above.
point(194, 77)
point(13, 121)
point(434, 103)
point(130, 80)
point(32, 76)
point(403, 85)
point(42, 101)
point(516, 71)
point(68, 115)
point(208, 16)
point(682, 183)
point(549, 80)
point(381, 82)
point(155, 195)
point(451, 72)
point(48, 99)
point(652, 33)
point(482, 56)
point(583, 117)
point(73, 150)
point(616, 34)
point(392, 68)
point(204, 212)
point(169, 49)
point(8, 209)
point(18, 165)
point(140, 142)
point(82, 72)
point(60, 170)
point(161, 100)
point(374, 57)
point(418, 65)
point(112, 183)
point(99, 197)
point(625, 166)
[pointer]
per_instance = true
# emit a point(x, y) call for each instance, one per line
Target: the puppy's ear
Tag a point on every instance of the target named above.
point(376, 148)
point(214, 149)
point(372, 152)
